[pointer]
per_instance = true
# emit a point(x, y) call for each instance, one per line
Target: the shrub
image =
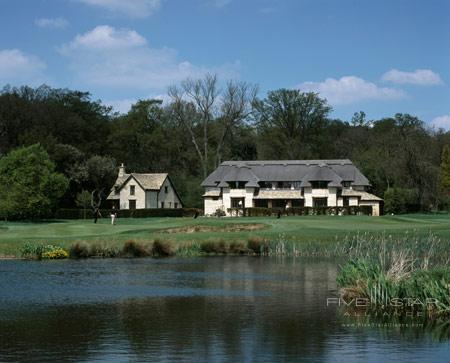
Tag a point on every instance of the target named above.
point(304, 211)
point(31, 251)
point(55, 254)
point(79, 250)
point(219, 247)
point(162, 248)
point(238, 248)
point(128, 213)
point(401, 200)
point(219, 213)
point(41, 251)
point(258, 245)
point(102, 250)
point(134, 249)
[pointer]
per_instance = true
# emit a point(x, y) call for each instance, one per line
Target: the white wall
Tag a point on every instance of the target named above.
point(139, 195)
point(212, 205)
point(310, 193)
point(170, 198)
point(249, 192)
point(332, 197)
point(308, 197)
point(226, 198)
point(152, 197)
point(224, 203)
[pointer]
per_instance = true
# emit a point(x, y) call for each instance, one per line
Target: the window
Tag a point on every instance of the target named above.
point(176, 205)
point(279, 203)
point(170, 204)
point(162, 205)
point(320, 202)
point(166, 189)
point(261, 203)
point(237, 202)
point(132, 204)
point(345, 201)
point(298, 203)
point(132, 189)
point(346, 184)
point(237, 184)
point(116, 190)
point(296, 184)
point(319, 184)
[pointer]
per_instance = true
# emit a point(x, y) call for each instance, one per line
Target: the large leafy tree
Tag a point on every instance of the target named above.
point(445, 170)
point(29, 185)
point(52, 116)
point(289, 123)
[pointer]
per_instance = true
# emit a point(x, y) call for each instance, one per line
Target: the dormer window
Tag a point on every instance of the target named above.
point(237, 184)
point(319, 184)
point(346, 184)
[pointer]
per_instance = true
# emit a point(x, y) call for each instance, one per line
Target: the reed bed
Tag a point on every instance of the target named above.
point(407, 249)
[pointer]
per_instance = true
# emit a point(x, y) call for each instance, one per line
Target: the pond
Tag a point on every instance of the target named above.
point(208, 309)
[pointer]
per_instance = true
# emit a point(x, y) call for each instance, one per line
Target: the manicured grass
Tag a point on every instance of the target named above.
point(13, 235)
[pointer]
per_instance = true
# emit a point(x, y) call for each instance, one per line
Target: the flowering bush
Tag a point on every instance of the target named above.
point(57, 253)
point(41, 251)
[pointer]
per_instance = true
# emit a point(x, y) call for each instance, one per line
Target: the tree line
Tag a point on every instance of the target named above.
point(205, 122)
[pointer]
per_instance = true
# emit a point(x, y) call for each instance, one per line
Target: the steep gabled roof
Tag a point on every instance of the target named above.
point(145, 181)
point(150, 181)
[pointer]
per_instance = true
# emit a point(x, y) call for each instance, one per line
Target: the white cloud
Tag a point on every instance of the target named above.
point(441, 122)
point(350, 89)
point(104, 37)
point(52, 23)
point(422, 77)
point(131, 8)
point(17, 68)
point(122, 58)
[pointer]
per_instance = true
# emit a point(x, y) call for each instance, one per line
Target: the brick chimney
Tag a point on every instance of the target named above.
point(121, 170)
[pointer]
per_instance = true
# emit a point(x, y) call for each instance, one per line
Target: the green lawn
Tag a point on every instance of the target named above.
point(303, 229)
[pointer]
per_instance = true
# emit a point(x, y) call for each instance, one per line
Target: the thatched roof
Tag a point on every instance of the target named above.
point(305, 171)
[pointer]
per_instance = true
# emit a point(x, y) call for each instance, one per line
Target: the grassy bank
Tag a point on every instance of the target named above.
point(305, 235)
point(399, 279)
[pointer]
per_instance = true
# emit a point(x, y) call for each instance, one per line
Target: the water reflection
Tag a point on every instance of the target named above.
point(204, 309)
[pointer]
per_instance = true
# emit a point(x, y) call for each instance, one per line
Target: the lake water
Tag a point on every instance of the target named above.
point(212, 309)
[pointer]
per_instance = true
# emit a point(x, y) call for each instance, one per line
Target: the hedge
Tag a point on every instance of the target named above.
point(127, 213)
point(302, 211)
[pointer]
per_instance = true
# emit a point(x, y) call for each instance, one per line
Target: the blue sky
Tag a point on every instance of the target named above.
point(382, 57)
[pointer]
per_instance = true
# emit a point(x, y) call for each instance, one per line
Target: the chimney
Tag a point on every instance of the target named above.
point(121, 170)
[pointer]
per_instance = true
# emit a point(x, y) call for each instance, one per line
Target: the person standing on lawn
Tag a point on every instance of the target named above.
point(113, 216)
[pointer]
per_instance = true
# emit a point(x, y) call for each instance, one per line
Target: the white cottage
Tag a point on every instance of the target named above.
point(138, 191)
point(287, 184)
